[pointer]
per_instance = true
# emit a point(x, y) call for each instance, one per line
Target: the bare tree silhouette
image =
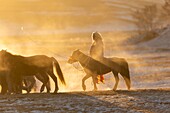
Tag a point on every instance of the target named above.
point(146, 19)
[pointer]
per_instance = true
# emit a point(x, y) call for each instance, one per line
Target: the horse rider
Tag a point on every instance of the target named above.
point(97, 50)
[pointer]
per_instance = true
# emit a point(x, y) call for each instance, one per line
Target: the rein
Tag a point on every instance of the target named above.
point(37, 43)
point(76, 67)
point(86, 60)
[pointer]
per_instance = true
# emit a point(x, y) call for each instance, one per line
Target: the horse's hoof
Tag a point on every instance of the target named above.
point(114, 89)
point(94, 89)
point(41, 90)
point(55, 91)
point(84, 87)
point(28, 90)
point(48, 91)
point(8, 93)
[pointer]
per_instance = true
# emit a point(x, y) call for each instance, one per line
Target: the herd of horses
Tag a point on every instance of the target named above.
point(18, 73)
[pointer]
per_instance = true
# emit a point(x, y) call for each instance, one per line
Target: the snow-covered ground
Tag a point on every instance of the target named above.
point(135, 101)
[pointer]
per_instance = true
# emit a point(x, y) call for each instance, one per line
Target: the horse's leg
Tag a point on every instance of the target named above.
point(9, 83)
point(116, 79)
point(3, 83)
point(83, 81)
point(45, 81)
point(32, 82)
point(18, 85)
point(48, 87)
point(55, 81)
point(26, 85)
point(94, 82)
point(48, 84)
point(29, 82)
point(4, 89)
point(127, 81)
point(126, 76)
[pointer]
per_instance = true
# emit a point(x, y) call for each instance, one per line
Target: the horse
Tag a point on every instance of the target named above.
point(29, 83)
point(92, 68)
point(19, 66)
point(3, 83)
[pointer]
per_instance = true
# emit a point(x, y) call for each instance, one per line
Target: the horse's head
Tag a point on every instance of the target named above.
point(74, 57)
point(3, 59)
point(3, 53)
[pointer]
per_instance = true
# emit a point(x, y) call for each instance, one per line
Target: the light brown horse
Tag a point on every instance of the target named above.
point(19, 66)
point(93, 68)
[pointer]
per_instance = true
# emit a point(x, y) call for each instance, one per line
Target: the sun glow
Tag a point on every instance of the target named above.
point(56, 28)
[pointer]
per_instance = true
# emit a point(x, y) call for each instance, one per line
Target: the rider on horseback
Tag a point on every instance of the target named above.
point(97, 50)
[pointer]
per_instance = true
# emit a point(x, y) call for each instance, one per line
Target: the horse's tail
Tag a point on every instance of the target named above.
point(58, 70)
point(126, 74)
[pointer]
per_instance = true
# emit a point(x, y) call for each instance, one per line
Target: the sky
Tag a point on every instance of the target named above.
point(41, 23)
point(67, 15)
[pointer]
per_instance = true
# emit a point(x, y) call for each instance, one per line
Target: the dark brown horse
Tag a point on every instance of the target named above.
point(93, 68)
point(4, 87)
point(19, 66)
point(28, 81)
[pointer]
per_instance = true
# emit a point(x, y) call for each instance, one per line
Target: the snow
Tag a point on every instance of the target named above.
point(102, 101)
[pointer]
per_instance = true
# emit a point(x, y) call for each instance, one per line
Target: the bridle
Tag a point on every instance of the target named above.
point(76, 67)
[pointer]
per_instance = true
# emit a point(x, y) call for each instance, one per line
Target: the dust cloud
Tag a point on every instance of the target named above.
point(56, 28)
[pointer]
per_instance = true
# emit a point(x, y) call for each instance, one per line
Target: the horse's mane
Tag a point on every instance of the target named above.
point(8, 54)
point(104, 63)
point(84, 57)
point(87, 60)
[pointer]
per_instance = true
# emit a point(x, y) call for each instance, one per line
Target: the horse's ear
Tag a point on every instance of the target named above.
point(77, 50)
point(4, 50)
